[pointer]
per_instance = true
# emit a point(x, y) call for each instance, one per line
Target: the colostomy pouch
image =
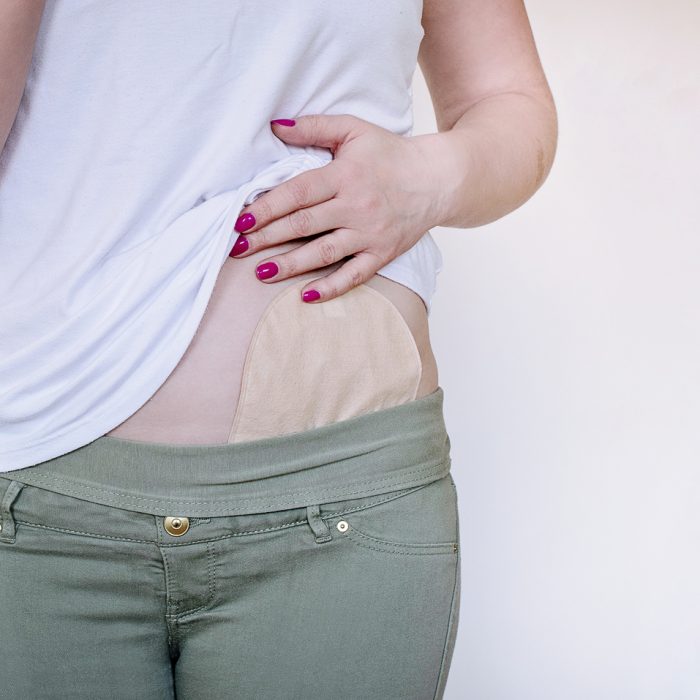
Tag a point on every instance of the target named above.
point(312, 364)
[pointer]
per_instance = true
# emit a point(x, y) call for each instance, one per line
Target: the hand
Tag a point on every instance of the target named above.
point(371, 203)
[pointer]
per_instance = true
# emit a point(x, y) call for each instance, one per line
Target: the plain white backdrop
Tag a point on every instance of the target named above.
point(568, 344)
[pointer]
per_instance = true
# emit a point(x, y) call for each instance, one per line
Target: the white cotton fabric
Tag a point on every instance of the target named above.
point(142, 133)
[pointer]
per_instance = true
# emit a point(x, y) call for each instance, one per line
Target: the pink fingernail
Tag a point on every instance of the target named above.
point(283, 122)
point(244, 222)
point(266, 270)
point(310, 295)
point(240, 246)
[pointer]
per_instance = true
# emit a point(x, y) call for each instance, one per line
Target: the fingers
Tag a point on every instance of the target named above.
point(304, 190)
point(299, 224)
point(319, 253)
point(353, 273)
point(325, 130)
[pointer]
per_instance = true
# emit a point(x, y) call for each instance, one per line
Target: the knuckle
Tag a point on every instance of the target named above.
point(377, 259)
point(327, 251)
point(289, 266)
point(300, 223)
point(300, 192)
point(332, 290)
point(314, 123)
point(261, 239)
point(351, 122)
point(356, 278)
point(264, 210)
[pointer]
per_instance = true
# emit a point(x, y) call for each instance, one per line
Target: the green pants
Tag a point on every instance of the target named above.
point(315, 565)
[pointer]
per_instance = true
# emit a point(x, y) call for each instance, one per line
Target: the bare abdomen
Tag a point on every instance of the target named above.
point(314, 366)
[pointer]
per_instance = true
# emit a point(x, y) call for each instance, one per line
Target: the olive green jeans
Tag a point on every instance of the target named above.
point(314, 565)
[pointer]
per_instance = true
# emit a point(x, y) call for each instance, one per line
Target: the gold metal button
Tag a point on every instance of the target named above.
point(176, 526)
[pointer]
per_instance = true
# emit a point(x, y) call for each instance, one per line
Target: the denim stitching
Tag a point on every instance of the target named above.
point(8, 532)
point(439, 547)
point(210, 586)
point(222, 537)
point(396, 546)
point(170, 603)
point(375, 503)
point(170, 617)
point(133, 499)
point(162, 544)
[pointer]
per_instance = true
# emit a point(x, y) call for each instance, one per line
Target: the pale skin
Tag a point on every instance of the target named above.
point(496, 140)
point(19, 22)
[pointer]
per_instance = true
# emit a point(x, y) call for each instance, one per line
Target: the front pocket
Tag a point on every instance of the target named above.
point(364, 540)
point(423, 521)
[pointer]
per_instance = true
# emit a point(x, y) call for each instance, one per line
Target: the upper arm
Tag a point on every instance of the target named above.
point(19, 23)
point(476, 48)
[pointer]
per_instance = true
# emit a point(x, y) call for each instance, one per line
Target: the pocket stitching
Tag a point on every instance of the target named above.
point(371, 542)
point(420, 548)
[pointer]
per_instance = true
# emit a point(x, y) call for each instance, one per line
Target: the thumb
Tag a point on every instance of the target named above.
point(325, 130)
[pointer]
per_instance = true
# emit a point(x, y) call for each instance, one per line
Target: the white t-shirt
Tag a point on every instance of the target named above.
point(142, 133)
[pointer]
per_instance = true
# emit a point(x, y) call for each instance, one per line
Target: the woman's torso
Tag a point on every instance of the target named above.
point(143, 129)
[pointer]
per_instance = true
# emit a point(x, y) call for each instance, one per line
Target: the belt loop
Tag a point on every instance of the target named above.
point(7, 521)
point(317, 524)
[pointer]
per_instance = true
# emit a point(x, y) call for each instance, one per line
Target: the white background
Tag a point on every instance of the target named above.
point(568, 343)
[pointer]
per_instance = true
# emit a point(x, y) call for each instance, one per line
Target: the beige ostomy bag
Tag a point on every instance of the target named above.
point(312, 364)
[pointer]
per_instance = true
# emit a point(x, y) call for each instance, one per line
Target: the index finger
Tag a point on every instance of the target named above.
point(304, 190)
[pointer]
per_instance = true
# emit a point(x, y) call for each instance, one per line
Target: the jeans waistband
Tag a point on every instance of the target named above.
point(390, 449)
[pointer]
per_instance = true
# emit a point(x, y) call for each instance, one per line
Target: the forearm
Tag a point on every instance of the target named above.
point(492, 160)
point(19, 23)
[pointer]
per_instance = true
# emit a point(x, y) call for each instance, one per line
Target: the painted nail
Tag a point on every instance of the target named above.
point(310, 295)
point(244, 222)
point(283, 122)
point(240, 246)
point(266, 270)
